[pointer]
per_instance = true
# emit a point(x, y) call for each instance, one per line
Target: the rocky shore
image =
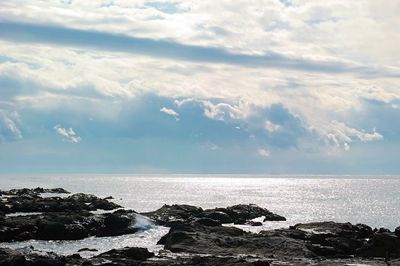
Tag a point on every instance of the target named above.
point(196, 236)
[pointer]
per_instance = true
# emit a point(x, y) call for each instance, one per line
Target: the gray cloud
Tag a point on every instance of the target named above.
point(35, 33)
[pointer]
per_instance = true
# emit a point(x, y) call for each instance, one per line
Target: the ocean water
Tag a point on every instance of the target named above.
point(371, 200)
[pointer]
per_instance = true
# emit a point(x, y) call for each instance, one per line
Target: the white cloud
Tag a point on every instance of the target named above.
point(339, 134)
point(264, 152)
point(323, 30)
point(170, 112)
point(68, 134)
point(346, 146)
point(9, 130)
point(271, 127)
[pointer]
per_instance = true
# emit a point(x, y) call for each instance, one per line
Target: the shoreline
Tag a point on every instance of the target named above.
point(202, 233)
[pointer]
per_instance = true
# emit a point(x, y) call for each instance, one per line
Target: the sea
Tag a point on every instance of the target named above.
point(372, 200)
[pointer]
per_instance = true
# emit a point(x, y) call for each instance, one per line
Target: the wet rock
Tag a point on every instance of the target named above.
point(60, 231)
point(34, 191)
point(251, 211)
point(66, 225)
point(77, 202)
point(241, 213)
point(170, 213)
point(3, 208)
point(93, 202)
point(238, 214)
point(51, 190)
point(87, 250)
point(128, 253)
point(381, 244)
point(118, 223)
point(222, 240)
point(208, 222)
point(11, 257)
point(220, 216)
point(336, 229)
point(253, 223)
point(240, 221)
point(397, 231)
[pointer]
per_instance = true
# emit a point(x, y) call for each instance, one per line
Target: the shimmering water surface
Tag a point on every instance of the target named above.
point(371, 200)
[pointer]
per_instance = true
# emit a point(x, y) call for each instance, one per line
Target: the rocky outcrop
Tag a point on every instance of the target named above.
point(238, 214)
point(384, 245)
point(171, 213)
point(312, 240)
point(66, 225)
point(203, 233)
point(59, 218)
point(34, 191)
point(124, 255)
point(221, 240)
point(35, 203)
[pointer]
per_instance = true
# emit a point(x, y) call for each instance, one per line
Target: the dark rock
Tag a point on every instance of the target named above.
point(240, 221)
point(251, 211)
point(66, 225)
point(397, 231)
point(31, 202)
point(93, 202)
point(336, 229)
point(118, 223)
point(220, 216)
point(253, 223)
point(222, 240)
point(9, 257)
point(169, 213)
point(382, 230)
point(345, 245)
point(320, 250)
point(87, 249)
point(208, 222)
point(244, 212)
point(133, 253)
point(385, 245)
point(50, 190)
point(238, 214)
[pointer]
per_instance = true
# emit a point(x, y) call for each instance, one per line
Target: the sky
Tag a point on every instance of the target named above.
point(233, 87)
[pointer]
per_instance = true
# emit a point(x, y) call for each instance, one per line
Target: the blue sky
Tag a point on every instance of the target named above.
point(266, 87)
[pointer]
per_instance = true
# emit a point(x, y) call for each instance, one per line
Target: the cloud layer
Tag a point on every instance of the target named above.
point(245, 86)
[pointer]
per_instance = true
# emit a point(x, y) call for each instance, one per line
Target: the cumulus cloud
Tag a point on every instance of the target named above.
point(271, 127)
point(263, 152)
point(346, 146)
point(9, 130)
point(68, 134)
point(341, 135)
point(170, 112)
